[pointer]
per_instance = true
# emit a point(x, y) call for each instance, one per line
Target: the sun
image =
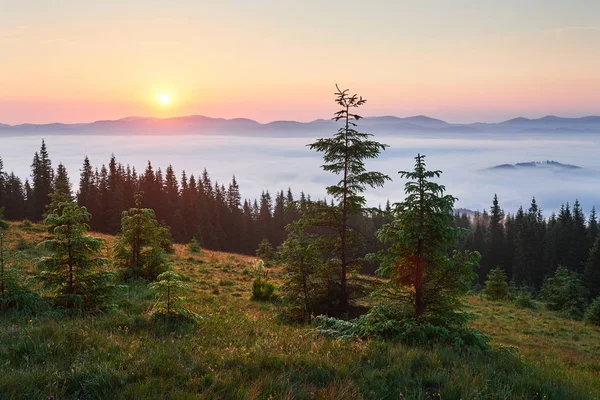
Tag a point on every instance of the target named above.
point(164, 98)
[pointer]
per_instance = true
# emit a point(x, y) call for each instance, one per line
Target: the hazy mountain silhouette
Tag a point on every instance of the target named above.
point(548, 164)
point(199, 124)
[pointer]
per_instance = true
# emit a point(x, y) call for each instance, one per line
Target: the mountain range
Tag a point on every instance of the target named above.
point(548, 164)
point(198, 124)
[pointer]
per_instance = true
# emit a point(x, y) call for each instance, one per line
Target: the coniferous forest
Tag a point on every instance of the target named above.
point(527, 245)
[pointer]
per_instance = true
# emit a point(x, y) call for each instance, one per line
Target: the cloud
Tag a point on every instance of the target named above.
point(14, 31)
point(568, 29)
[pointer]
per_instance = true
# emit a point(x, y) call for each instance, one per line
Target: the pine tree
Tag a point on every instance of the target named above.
point(15, 199)
point(591, 274)
point(592, 227)
point(85, 183)
point(140, 247)
point(496, 286)
point(344, 155)
point(42, 178)
point(419, 238)
point(170, 288)
point(302, 260)
point(265, 251)
point(480, 245)
point(62, 189)
point(564, 292)
point(73, 270)
point(265, 216)
point(579, 243)
point(496, 238)
point(529, 266)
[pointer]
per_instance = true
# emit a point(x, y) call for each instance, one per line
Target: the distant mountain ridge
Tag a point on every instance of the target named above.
point(536, 164)
point(199, 124)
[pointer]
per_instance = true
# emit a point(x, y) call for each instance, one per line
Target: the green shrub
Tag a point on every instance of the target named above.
point(169, 288)
point(23, 245)
point(193, 246)
point(592, 315)
point(26, 224)
point(262, 289)
point(265, 251)
point(564, 292)
point(523, 299)
point(496, 287)
point(226, 282)
point(388, 322)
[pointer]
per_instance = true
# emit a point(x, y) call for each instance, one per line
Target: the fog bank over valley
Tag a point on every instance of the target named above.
point(565, 165)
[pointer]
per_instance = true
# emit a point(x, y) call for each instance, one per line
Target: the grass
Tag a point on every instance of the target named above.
point(240, 349)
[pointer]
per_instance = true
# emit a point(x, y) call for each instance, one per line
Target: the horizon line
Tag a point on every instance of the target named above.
point(134, 117)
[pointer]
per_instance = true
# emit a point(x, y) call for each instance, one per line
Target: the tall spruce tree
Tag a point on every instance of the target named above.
point(591, 273)
point(62, 189)
point(495, 246)
point(42, 176)
point(592, 227)
point(419, 238)
point(529, 266)
point(85, 183)
point(344, 155)
point(579, 243)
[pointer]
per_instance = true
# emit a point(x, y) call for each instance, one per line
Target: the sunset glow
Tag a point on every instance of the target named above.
point(164, 98)
point(464, 62)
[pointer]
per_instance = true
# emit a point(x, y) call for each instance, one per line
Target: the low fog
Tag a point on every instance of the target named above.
point(267, 163)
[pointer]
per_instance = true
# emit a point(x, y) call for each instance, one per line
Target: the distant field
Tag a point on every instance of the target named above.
point(241, 349)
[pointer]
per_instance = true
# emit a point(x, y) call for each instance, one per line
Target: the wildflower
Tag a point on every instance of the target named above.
point(30, 321)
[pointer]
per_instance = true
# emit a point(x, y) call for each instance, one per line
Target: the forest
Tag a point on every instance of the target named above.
point(141, 255)
point(526, 245)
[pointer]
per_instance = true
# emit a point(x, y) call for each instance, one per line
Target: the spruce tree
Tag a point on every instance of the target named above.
point(495, 246)
point(344, 155)
point(591, 274)
point(170, 288)
point(419, 238)
point(579, 242)
point(42, 178)
point(302, 260)
point(529, 266)
point(73, 271)
point(15, 199)
point(62, 189)
point(496, 286)
point(564, 292)
point(140, 247)
point(85, 183)
point(592, 227)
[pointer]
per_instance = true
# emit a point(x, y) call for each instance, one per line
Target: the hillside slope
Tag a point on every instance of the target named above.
point(241, 349)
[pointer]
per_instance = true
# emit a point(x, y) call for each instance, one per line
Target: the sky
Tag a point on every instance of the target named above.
point(459, 60)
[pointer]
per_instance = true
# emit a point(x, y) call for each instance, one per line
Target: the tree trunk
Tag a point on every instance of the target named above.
point(343, 277)
point(70, 263)
point(307, 309)
point(419, 301)
point(168, 299)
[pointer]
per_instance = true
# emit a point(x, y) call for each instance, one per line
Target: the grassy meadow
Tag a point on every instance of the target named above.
point(241, 349)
